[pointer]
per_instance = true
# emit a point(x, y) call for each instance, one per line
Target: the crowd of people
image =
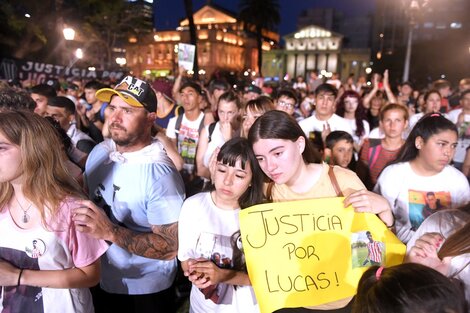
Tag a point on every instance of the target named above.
point(115, 198)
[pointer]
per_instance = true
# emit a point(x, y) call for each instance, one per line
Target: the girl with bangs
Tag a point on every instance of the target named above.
point(46, 265)
point(209, 236)
point(254, 109)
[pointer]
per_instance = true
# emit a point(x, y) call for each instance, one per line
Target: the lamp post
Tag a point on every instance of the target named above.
point(69, 33)
point(79, 53)
point(121, 61)
point(414, 8)
point(69, 36)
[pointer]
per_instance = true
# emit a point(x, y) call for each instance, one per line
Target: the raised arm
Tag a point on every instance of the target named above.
point(177, 85)
point(390, 96)
point(375, 87)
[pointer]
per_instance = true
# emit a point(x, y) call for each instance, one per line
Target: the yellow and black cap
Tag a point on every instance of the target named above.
point(133, 91)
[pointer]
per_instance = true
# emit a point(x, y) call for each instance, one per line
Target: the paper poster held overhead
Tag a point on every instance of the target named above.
point(186, 56)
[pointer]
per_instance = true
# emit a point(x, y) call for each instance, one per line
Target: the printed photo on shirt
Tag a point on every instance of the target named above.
point(219, 250)
point(36, 249)
point(424, 203)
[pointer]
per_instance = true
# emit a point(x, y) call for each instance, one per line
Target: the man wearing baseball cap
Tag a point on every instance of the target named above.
point(137, 194)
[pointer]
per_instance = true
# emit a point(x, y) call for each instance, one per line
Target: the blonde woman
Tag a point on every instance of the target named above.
point(45, 264)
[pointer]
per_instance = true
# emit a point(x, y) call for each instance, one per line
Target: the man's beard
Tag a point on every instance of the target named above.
point(118, 138)
point(124, 138)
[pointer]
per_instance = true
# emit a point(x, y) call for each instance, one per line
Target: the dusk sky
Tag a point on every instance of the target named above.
point(170, 12)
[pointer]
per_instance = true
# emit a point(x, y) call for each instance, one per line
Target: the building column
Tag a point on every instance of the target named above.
point(284, 66)
point(305, 66)
point(295, 65)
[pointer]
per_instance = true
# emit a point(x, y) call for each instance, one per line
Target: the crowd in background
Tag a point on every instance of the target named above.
point(139, 148)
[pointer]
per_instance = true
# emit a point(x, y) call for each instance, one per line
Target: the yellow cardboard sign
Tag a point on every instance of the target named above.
point(311, 252)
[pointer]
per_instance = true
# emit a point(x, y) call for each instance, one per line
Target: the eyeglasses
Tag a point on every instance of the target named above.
point(286, 105)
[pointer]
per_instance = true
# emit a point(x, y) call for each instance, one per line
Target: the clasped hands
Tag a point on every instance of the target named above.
point(204, 273)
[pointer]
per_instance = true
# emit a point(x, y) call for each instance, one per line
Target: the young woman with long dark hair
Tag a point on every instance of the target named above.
point(420, 180)
point(294, 172)
point(209, 237)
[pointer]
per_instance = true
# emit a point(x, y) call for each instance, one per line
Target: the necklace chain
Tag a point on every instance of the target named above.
point(25, 212)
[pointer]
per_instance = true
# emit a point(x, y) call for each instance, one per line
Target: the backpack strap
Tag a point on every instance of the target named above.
point(211, 130)
point(178, 110)
point(179, 119)
point(201, 125)
point(334, 182)
point(374, 151)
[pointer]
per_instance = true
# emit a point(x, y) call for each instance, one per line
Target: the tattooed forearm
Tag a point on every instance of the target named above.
point(161, 244)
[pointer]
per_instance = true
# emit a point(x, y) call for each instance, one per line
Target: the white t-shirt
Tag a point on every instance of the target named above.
point(59, 248)
point(415, 118)
point(300, 85)
point(353, 126)
point(76, 134)
point(376, 133)
point(204, 230)
point(217, 140)
point(407, 192)
point(334, 82)
point(312, 124)
point(464, 135)
point(446, 223)
point(187, 139)
point(140, 189)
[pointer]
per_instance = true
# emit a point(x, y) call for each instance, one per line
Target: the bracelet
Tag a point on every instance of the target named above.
point(19, 277)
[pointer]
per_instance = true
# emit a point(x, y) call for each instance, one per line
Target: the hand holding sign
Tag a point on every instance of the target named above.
point(311, 252)
point(186, 56)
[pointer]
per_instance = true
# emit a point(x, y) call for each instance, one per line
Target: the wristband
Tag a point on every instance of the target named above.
point(19, 277)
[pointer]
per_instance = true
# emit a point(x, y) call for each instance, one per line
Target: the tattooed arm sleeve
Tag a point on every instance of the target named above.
point(161, 244)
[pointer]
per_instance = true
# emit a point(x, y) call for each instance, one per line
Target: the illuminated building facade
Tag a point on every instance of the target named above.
point(223, 44)
point(311, 48)
point(314, 48)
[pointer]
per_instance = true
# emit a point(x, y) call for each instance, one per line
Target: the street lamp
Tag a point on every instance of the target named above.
point(79, 53)
point(69, 33)
point(121, 61)
point(414, 8)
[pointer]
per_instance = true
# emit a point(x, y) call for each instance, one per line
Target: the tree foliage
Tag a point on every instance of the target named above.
point(108, 23)
point(100, 25)
point(20, 35)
